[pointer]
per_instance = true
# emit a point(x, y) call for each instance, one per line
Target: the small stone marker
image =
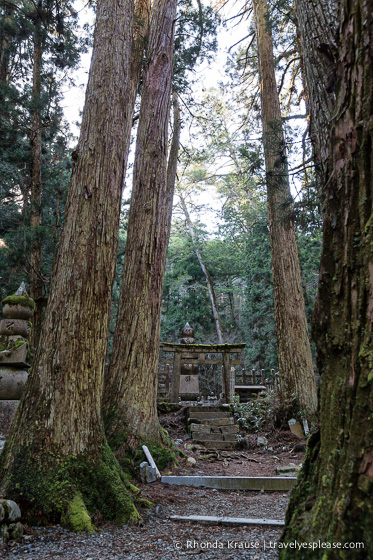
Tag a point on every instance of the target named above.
point(151, 461)
point(147, 473)
point(296, 428)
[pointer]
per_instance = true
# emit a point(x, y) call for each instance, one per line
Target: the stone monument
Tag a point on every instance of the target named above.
point(15, 329)
point(189, 380)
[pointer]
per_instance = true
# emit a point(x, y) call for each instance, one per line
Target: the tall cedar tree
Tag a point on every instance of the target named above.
point(297, 379)
point(333, 498)
point(36, 283)
point(131, 388)
point(56, 461)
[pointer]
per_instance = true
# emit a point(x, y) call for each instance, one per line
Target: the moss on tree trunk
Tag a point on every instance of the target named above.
point(131, 390)
point(56, 457)
point(333, 500)
point(297, 379)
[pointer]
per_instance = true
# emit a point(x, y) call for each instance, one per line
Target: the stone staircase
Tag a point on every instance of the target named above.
point(212, 426)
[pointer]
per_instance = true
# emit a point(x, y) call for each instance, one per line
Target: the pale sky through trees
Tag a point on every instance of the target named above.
point(206, 76)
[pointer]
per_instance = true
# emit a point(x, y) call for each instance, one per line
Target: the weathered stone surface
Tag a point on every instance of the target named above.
point(202, 437)
point(208, 415)
point(229, 437)
point(16, 356)
point(257, 483)
point(7, 411)
point(13, 513)
point(17, 312)
point(296, 428)
point(15, 530)
point(229, 429)
point(262, 441)
point(148, 474)
point(214, 421)
point(189, 384)
point(12, 382)
point(199, 428)
point(4, 533)
point(11, 327)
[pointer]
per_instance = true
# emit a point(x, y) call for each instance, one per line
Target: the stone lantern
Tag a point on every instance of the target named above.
point(187, 334)
point(15, 329)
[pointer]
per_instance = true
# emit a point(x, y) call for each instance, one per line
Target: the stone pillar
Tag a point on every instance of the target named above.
point(15, 329)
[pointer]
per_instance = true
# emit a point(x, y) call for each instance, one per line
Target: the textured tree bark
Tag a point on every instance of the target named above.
point(209, 282)
point(36, 263)
point(297, 378)
point(332, 500)
point(130, 406)
point(317, 24)
point(56, 453)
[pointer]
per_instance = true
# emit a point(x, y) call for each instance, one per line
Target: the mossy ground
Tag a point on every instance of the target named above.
point(71, 490)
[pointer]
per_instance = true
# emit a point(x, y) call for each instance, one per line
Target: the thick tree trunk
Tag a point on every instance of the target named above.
point(209, 282)
point(333, 498)
point(36, 282)
point(56, 453)
point(297, 378)
point(317, 24)
point(131, 391)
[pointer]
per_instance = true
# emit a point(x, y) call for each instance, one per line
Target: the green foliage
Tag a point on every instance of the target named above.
point(252, 416)
point(62, 43)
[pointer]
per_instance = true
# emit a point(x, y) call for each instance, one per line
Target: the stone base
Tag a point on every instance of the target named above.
point(7, 412)
point(12, 382)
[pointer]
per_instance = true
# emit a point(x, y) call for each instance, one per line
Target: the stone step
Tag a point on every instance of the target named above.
point(208, 415)
point(217, 444)
point(207, 408)
point(212, 421)
point(198, 437)
point(206, 429)
point(255, 483)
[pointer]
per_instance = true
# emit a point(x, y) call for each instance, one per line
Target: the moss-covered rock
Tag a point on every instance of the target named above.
point(15, 530)
point(23, 301)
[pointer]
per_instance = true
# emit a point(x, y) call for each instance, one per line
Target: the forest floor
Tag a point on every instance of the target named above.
point(158, 537)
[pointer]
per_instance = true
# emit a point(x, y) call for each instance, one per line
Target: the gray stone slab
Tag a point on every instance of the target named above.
point(208, 415)
point(233, 521)
point(199, 428)
point(256, 483)
point(213, 421)
point(230, 437)
point(229, 429)
point(201, 437)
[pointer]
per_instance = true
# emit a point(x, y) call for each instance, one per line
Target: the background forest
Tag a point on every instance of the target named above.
point(220, 180)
